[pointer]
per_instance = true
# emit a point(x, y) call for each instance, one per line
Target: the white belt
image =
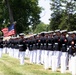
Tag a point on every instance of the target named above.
point(49, 44)
point(44, 43)
point(37, 43)
point(20, 45)
point(56, 43)
point(17, 44)
point(69, 46)
point(33, 44)
point(63, 44)
point(41, 44)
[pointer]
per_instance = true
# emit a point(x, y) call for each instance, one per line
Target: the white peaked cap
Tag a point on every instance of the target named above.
point(58, 30)
point(21, 34)
point(50, 31)
point(62, 31)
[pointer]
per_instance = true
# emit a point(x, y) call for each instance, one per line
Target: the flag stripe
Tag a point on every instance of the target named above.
point(5, 32)
point(8, 31)
point(11, 30)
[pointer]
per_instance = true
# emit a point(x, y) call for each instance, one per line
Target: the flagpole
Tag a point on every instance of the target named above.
point(15, 27)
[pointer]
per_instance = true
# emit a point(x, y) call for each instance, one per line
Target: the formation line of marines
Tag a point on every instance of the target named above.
point(53, 49)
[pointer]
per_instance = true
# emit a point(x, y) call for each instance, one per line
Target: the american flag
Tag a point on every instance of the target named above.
point(11, 30)
point(5, 32)
point(8, 31)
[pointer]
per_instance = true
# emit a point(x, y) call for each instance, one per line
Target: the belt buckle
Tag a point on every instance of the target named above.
point(56, 43)
point(49, 44)
point(63, 44)
point(70, 46)
point(41, 44)
point(44, 43)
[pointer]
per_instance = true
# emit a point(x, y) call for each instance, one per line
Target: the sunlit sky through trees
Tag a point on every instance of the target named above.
point(45, 15)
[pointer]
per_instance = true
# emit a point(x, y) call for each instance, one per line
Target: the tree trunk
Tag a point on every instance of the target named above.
point(9, 11)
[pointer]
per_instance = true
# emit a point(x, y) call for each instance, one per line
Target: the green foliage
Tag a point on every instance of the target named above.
point(64, 14)
point(72, 22)
point(25, 12)
point(54, 24)
point(3, 15)
point(41, 27)
point(64, 21)
point(0, 33)
point(56, 15)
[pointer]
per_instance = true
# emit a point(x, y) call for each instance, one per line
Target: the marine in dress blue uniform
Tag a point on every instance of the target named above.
point(46, 55)
point(5, 46)
point(38, 49)
point(22, 48)
point(64, 55)
point(16, 48)
point(69, 48)
point(42, 47)
point(73, 59)
point(1, 46)
point(30, 46)
point(57, 51)
point(34, 48)
point(50, 48)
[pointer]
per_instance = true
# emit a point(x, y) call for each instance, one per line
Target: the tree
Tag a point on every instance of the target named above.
point(56, 15)
point(25, 12)
point(55, 22)
point(71, 10)
point(40, 27)
point(1, 34)
point(64, 17)
point(11, 18)
point(63, 23)
point(68, 18)
point(4, 17)
point(1, 17)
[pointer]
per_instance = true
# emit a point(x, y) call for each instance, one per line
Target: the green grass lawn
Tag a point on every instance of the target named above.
point(11, 66)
